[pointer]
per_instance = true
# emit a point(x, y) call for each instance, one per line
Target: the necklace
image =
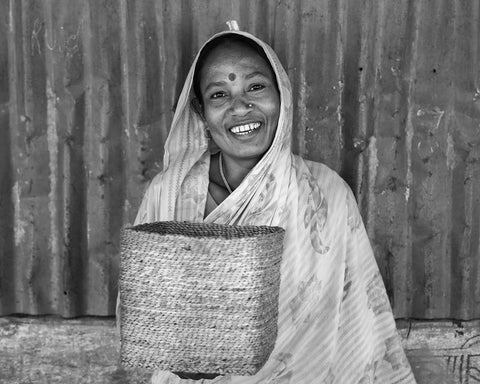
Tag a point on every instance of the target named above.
point(224, 179)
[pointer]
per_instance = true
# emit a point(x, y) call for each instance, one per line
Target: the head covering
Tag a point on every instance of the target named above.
point(187, 147)
point(335, 322)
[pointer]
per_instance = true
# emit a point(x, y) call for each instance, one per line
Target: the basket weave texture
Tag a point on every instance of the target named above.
point(199, 298)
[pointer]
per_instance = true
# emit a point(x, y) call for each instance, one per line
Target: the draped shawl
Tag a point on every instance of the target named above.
point(335, 323)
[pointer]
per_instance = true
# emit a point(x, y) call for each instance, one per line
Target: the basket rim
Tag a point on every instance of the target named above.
point(206, 230)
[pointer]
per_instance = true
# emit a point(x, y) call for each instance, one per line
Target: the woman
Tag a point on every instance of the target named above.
point(228, 160)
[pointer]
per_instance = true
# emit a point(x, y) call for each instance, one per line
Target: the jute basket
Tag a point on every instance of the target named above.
point(199, 298)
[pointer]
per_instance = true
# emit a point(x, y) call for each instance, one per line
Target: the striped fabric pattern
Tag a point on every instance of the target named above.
point(335, 321)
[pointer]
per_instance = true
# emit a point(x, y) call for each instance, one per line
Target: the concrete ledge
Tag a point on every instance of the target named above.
point(443, 352)
point(51, 350)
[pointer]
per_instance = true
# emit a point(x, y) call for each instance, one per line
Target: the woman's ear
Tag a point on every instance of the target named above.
point(197, 107)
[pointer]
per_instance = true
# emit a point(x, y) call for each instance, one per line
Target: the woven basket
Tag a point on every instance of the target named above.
point(199, 298)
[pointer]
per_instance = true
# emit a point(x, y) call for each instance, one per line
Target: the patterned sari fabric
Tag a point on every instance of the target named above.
point(335, 321)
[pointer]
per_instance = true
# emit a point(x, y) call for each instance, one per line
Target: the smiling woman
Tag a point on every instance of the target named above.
point(240, 103)
point(228, 161)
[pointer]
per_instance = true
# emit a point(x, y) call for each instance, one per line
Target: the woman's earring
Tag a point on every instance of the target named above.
point(208, 135)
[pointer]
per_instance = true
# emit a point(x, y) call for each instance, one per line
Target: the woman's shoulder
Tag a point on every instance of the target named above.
point(155, 182)
point(322, 175)
point(334, 189)
point(149, 208)
point(157, 179)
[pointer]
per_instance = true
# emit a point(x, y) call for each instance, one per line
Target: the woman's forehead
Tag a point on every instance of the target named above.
point(235, 55)
point(230, 51)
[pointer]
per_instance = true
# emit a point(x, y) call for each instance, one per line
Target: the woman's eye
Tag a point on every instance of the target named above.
point(257, 87)
point(217, 95)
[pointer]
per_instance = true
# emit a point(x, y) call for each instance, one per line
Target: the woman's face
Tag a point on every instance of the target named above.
point(241, 103)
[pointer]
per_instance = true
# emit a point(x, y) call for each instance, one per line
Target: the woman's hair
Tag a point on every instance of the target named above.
point(219, 41)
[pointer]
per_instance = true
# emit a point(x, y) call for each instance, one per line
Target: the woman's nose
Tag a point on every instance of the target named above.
point(240, 106)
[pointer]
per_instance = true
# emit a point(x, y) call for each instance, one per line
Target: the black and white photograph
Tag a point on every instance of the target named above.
point(239, 191)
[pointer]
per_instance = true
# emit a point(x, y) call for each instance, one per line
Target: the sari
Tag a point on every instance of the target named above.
point(335, 322)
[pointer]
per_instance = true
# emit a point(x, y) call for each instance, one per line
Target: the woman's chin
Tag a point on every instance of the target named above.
point(245, 151)
point(245, 146)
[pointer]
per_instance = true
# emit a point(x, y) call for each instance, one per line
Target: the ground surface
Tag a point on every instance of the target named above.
point(51, 350)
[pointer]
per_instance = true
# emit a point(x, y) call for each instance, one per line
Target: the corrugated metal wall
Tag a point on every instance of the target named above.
point(387, 92)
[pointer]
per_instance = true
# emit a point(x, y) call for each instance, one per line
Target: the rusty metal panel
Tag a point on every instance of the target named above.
point(386, 92)
point(419, 172)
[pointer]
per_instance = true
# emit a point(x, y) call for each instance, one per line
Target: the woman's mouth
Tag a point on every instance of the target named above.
point(245, 129)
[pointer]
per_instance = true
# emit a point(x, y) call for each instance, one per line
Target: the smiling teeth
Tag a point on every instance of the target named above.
point(244, 129)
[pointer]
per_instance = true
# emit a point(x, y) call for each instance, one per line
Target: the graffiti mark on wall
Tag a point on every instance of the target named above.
point(57, 40)
point(464, 363)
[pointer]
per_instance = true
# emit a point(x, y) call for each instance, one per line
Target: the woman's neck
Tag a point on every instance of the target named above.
point(235, 170)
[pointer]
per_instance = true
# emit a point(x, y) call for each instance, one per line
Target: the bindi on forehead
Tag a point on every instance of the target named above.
point(232, 77)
